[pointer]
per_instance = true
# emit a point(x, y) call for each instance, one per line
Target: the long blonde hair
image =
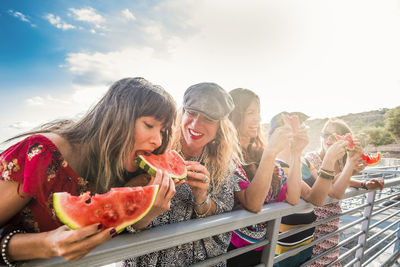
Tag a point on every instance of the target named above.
point(340, 127)
point(105, 136)
point(218, 154)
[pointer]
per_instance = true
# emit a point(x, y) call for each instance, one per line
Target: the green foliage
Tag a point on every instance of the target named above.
point(378, 124)
point(393, 121)
point(379, 136)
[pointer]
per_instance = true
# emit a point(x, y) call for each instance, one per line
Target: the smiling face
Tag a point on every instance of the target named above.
point(197, 131)
point(250, 121)
point(148, 137)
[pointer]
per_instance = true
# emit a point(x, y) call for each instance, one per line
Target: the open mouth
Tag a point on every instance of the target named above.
point(194, 134)
point(142, 152)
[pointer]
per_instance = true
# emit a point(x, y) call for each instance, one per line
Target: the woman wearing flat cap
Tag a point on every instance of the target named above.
point(207, 140)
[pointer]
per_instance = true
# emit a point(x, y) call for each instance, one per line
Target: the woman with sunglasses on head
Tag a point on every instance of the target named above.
point(95, 153)
point(347, 166)
point(207, 140)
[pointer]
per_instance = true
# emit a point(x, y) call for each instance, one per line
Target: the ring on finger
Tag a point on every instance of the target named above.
point(206, 179)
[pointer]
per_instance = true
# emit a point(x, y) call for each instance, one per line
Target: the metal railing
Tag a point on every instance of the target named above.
point(367, 210)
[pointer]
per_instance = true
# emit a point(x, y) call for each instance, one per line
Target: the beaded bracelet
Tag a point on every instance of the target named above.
point(5, 245)
point(203, 215)
point(205, 202)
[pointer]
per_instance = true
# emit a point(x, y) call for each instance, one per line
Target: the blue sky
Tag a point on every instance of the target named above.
point(325, 58)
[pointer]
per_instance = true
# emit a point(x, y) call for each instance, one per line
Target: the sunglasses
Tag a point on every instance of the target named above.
point(325, 134)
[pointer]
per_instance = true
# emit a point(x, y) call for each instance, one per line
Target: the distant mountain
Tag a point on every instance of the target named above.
point(357, 122)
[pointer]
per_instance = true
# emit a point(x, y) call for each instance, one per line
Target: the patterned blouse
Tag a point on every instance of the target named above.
point(254, 233)
point(38, 167)
point(182, 209)
point(328, 227)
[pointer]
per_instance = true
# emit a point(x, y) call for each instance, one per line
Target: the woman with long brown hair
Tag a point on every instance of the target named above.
point(95, 153)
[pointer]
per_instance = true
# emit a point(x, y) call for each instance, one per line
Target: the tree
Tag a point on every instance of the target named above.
point(392, 119)
point(379, 136)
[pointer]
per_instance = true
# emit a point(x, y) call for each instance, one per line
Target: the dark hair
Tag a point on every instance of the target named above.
point(105, 135)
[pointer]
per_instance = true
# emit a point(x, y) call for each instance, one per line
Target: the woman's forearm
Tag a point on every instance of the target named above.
point(294, 180)
point(255, 194)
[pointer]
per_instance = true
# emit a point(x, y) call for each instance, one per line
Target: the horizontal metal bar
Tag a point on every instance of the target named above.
point(346, 254)
point(370, 259)
point(384, 229)
point(380, 242)
point(341, 229)
point(133, 245)
point(231, 254)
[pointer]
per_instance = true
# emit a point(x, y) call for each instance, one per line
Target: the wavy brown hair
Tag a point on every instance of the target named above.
point(105, 135)
point(218, 154)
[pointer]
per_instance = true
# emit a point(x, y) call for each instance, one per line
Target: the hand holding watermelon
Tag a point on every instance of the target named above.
point(198, 180)
point(336, 151)
point(75, 244)
point(300, 140)
point(162, 202)
point(279, 139)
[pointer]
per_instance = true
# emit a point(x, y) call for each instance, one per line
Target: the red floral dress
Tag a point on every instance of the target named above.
point(38, 167)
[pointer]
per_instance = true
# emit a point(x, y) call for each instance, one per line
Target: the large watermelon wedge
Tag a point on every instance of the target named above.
point(371, 160)
point(170, 162)
point(118, 208)
point(347, 137)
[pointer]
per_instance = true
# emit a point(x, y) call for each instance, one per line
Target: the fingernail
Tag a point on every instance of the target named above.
point(113, 231)
point(114, 235)
point(99, 226)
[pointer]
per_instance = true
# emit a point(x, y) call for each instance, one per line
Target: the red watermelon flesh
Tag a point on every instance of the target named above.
point(347, 137)
point(371, 160)
point(292, 121)
point(170, 162)
point(118, 208)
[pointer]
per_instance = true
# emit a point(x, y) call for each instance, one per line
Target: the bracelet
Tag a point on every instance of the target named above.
point(5, 245)
point(203, 215)
point(205, 202)
point(364, 185)
point(325, 175)
point(327, 171)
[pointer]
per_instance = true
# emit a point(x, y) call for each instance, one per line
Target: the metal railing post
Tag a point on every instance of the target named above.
point(268, 253)
point(362, 240)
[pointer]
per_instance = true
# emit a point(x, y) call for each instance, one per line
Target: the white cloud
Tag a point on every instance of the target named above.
point(283, 51)
point(21, 17)
point(58, 22)
point(23, 125)
point(42, 101)
point(128, 14)
point(88, 15)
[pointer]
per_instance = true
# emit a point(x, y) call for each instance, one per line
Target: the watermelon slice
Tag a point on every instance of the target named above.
point(348, 138)
point(118, 208)
point(292, 120)
point(371, 160)
point(170, 162)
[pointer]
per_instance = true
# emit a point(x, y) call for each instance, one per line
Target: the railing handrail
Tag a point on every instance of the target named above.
point(132, 245)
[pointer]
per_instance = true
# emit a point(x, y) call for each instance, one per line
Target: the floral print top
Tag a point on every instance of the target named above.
point(38, 167)
point(182, 209)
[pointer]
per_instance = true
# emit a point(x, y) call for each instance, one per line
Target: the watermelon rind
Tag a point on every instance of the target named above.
point(67, 220)
point(152, 170)
point(378, 157)
point(64, 218)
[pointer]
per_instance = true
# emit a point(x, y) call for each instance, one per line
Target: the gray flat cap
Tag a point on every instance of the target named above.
point(210, 99)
